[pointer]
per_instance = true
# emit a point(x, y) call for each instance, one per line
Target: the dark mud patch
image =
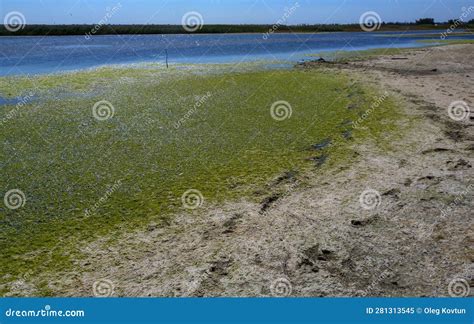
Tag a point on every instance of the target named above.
point(268, 202)
point(365, 222)
point(220, 267)
point(231, 224)
point(316, 254)
point(460, 164)
point(288, 176)
point(428, 181)
point(470, 147)
point(319, 160)
point(211, 285)
point(455, 135)
point(321, 145)
point(437, 150)
point(347, 135)
point(392, 193)
point(347, 122)
point(453, 130)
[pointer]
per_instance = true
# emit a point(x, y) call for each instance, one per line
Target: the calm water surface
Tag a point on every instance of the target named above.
point(51, 54)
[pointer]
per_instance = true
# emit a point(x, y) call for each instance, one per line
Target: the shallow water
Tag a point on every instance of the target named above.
point(9, 101)
point(17, 101)
point(51, 54)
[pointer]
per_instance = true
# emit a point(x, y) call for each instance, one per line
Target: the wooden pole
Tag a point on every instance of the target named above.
point(166, 51)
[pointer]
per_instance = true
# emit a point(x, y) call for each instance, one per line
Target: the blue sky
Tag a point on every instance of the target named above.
point(229, 11)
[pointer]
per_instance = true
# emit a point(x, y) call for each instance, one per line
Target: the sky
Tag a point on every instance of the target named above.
point(228, 11)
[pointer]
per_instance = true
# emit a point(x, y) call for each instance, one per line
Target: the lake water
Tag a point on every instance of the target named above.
point(51, 54)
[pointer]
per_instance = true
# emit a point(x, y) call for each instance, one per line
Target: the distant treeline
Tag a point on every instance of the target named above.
point(33, 30)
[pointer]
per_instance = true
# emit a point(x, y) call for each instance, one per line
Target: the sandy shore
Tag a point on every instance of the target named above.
point(318, 239)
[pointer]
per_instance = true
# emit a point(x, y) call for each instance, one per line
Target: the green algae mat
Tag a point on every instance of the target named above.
point(93, 153)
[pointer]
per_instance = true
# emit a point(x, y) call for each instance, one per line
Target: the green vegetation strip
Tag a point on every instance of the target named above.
point(203, 128)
